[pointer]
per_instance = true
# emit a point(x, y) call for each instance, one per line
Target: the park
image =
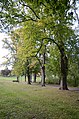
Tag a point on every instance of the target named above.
point(42, 39)
point(23, 101)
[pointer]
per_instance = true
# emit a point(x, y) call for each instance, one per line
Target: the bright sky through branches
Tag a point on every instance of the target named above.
point(3, 52)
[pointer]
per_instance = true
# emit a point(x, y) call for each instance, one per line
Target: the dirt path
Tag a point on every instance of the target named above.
point(70, 88)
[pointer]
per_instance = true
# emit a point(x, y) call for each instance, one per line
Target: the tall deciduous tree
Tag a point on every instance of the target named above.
point(35, 46)
point(55, 17)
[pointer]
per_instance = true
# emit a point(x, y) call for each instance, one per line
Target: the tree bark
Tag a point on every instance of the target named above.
point(28, 73)
point(64, 69)
point(34, 78)
point(43, 71)
point(17, 78)
point(43, 75)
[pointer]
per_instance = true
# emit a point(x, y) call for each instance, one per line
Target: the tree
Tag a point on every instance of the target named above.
point(12, 45)
point(35, 67)
point(55, 17)
point(6, 72)
point(31, 50)
point(74, 62)
point(53, 64)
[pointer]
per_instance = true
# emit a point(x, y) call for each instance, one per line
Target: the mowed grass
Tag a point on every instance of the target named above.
point(23, 101)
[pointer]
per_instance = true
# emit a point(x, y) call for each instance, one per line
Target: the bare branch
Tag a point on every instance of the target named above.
point(22, 3)
point(50, 39)
point(40, 47)
point(76, 15)
point(39, 60)
point(42, 4)
point(24, 20)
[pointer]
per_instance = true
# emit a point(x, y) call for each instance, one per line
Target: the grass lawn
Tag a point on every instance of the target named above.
point(22, 101)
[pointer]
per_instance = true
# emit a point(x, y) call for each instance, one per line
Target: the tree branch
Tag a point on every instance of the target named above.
point(43, 4)
point(52, 41)
point(24, 20)
point(76, 15)
point(39, 60)
point(40, 47)
point(22, 3)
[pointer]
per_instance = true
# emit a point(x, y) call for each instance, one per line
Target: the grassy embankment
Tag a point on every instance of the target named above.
point(22, 101)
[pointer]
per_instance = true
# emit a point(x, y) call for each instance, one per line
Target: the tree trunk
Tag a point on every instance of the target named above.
point(25, 77)
point(30, 77)
point(28, 73)
point(43, 75)
point(43, 71)
point(64, 70)
point(17, 78)
point(34, 78)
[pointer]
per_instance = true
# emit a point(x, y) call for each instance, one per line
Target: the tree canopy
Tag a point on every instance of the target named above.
point(42, 24)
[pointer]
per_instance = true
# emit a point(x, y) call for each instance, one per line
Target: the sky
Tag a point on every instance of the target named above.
point(3, 51)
